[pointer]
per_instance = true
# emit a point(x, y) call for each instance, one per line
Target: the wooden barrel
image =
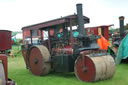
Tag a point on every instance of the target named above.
point(96, 68)
point(2, 74)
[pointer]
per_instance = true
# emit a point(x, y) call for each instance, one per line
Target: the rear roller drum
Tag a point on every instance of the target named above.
point(38, 60)
point(96, 68)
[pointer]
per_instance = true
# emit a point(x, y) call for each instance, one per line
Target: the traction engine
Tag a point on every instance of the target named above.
point(68, 50)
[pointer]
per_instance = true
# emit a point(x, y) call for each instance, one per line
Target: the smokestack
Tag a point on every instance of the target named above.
point(121, 21)
point(80, 19)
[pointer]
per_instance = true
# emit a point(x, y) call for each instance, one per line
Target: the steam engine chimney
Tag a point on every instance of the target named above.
point(80, 19)
point(121, 21)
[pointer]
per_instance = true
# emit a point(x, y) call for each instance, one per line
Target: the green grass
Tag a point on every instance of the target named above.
point(18, 72)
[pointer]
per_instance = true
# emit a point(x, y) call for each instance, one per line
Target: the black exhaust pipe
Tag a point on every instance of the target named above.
point(80, 19)
point(121, 21)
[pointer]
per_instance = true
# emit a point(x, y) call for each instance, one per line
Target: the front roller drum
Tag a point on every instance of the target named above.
point(95, 68)
point(38, 60)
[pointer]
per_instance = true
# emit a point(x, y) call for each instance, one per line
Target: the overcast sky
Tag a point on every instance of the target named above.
point(15, 14)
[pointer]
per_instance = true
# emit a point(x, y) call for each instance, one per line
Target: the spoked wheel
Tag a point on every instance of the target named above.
point(2, 75)
point(96, 68)
point(38, 60)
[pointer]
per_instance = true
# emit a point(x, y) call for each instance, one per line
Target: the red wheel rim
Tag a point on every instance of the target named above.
point(88, 76)
point(35, 61)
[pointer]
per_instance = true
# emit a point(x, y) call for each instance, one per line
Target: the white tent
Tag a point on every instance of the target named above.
point(18, 36)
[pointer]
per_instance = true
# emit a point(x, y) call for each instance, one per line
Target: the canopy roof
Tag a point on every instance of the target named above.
point(55, 22)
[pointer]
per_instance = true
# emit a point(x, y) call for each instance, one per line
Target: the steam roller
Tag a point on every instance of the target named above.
point(67, 50)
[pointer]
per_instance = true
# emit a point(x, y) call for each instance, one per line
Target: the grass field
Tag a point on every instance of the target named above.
point(18, 72)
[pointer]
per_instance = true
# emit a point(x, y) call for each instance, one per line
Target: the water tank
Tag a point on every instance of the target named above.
point(5, 40)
